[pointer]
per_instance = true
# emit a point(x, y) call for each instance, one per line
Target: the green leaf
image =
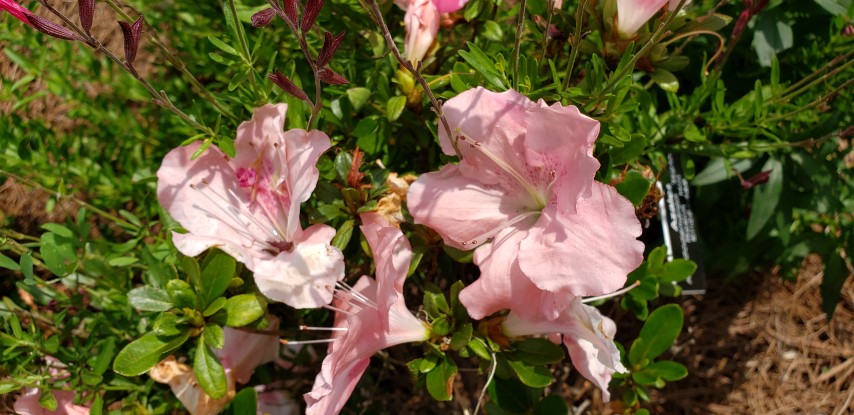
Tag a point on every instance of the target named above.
point(181, 294)
point(462, 337)
point(47, 400)
point(214, 335)
point(59, 230)
point(149, 299)
point(464, 257)
point(668, 370)
point(665, 79)
point(168, 324)
point(242, 309)
point(191, 267)
point(209, 371)
point(143, 353)
point(537, 352)
point(105, 355)
point(678, 270)
point(97, 407)
point(215, 306)
point(394, 107)
point(343, 162)
point(634, 187)
point(492, 31)
point(772, 34)
point(535, 376)
point(7, 386)
point(218, 269)
point(223, 46)
point(26, 265)
point(8, 263)
point(483, 64)
point(245, 402)
point(765, 198)
point(718, 170)
point(358, 97)
point(435, 303)
point(122, 261)
point(344, 234)
point(657, 334)
point(834, 278)
point(440, 380)
point(833, 7)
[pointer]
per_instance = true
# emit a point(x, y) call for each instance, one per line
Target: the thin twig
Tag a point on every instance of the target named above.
point(520, 26)
point(576, 40)
point(486, 386)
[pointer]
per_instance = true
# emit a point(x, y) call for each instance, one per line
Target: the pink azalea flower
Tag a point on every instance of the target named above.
point(525, 182)
point(370, 317)
point(16, 10)
point(422, 24)
point(632, 14)
point(249, 207)
point(587, 334)
point(244, 350)
point(28, 403)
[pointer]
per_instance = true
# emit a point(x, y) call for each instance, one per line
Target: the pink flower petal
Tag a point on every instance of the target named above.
point(632, 14)
point(449, 6)
point(304, 277)
point(28, 403)
point(458, 208)
point(203, 195)
point(392, 255)
point(560, 139)
point(244, 351)
point(422, 25)
point(589, 253)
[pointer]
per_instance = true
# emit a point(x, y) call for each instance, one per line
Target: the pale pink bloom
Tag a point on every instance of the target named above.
point(16, 10)
point(182, 380)
point(525, 183)
point(28, 403)
point(422, 24)
point(587, 334)
point(249, 207)
point(632, 14)
point(370, 317)
point(243, 350)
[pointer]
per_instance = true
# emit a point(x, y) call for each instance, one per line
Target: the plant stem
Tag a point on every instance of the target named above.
point(241, 36)
point(798, 88)
point(576, 39)
point(374, 9)
point(161, 98)
point(520, 26)
point(175, 61)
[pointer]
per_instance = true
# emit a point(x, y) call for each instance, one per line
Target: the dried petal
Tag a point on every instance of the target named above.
point(312, 9)
point(51, 29)
point(263, 18)
point(86, 8)
point(287, 85)
point(330, 46)
point(132, 32)
point(291, 14)
point(330, 77)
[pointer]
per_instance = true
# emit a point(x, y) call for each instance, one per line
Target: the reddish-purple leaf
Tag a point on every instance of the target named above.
point(291, 13)
point(133, 33)
point(330, 46)
point(757, 179)
point(312, 9)
point(51, 29)
point(263, 17)
point(86, 8)
point(287, 85)
point(330, 77)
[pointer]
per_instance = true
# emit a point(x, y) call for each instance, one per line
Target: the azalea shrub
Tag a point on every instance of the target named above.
point(291, 206)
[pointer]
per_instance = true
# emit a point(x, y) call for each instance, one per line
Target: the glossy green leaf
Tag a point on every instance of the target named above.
point(678, 270)
point(765, 198)
point(634, 187)
point(440, 380)
point(209, 371)
point(148, 298)
point(218, 269)
point(143, 353)
point(245, 402)
point(242, 309)
point(537, 352)
point(657, 334)
point(394, 107)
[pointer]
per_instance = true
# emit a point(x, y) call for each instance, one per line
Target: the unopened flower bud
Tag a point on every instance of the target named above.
point(132, 33)
point(51, 29)
point(312, 9)
point(330, 46)
point(86, 8)
point(330, 77)
point(263, 18)
point(287, 85)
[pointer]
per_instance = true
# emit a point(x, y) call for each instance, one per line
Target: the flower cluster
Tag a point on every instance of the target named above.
point(523, 194)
